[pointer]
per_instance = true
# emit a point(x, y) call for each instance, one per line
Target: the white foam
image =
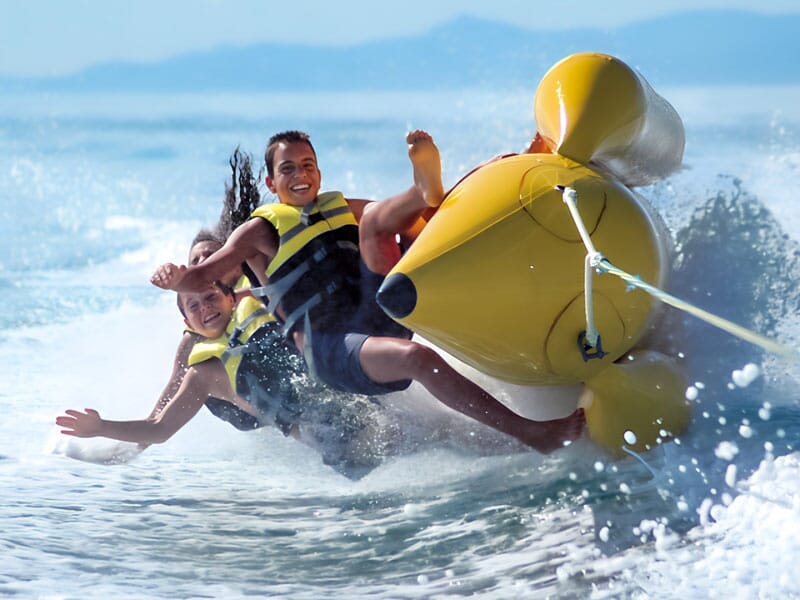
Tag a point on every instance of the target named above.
point(726, 450)
point(746, 375)
point(745, 548)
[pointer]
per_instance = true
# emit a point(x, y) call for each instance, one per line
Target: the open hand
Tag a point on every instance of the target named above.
point(80, 424)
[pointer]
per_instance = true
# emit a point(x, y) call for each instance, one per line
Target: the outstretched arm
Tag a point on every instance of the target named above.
point(254, 242)
point(203, 380)
point(180, 365)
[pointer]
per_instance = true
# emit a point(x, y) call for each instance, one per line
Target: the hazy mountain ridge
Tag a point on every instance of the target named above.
point(702, 47)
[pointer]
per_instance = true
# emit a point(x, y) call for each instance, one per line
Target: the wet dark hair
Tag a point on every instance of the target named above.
point(241, 199)
point(284, 137)
point(205, 235)
point(241, 196)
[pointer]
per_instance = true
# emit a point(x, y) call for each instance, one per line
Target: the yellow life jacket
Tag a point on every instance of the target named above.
point(315, 273)
point(247, 318)
point(232, 359)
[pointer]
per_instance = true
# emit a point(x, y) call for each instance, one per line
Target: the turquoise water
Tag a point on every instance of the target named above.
point(99, 189)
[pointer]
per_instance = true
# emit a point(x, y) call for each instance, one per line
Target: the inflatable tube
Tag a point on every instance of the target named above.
point(596, 110)
point(499, 271)
point(637, 403)
point(496, 278)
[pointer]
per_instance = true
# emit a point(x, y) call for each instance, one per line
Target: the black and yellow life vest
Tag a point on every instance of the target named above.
point(315, 273)
point(247, 318)
point(260, 366)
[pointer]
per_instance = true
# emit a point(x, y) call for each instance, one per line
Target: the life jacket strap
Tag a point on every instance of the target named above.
point(301, 311)
point(308, 347)
point(274, 292)
point(232, 352)
point(236, 334)
point(237, 347)
point(306, 218)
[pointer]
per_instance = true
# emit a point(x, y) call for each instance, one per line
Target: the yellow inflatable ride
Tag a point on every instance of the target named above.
point(505, 276)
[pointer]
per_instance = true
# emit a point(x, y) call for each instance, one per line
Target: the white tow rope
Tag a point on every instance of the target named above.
point(595, 261)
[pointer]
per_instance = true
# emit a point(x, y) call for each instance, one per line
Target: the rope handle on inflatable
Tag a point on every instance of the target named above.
point(596, 261)
point(593, 259)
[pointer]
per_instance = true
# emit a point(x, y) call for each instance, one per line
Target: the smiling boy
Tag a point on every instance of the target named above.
point(320, 258)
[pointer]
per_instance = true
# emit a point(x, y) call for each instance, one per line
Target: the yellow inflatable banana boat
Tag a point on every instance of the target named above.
point(499, 277)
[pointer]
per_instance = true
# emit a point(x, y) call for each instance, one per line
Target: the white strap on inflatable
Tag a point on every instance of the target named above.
point(593, 259)
point(596, 261)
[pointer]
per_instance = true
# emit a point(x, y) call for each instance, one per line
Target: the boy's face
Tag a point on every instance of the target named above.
point(207, 312)
point(297, 178)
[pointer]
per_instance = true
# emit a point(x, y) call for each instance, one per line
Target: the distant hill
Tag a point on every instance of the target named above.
point(702, 47)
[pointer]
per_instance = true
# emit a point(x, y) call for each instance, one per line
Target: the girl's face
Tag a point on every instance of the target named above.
point(202, 250)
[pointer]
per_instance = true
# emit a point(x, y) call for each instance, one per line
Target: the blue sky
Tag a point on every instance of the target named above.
point(50, 37)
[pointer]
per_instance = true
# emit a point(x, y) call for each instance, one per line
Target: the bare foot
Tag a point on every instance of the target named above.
point(427, 165)
point(548, 436)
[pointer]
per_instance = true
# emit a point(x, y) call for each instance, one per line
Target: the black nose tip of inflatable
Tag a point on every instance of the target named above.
point(397, 296)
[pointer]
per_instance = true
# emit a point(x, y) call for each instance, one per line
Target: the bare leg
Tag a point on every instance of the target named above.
point(383, 221)
point(390, 359)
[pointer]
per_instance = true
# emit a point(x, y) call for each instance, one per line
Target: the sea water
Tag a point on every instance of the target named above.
point(96, 190)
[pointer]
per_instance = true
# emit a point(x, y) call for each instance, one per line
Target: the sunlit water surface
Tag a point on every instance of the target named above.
point(98, 189)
